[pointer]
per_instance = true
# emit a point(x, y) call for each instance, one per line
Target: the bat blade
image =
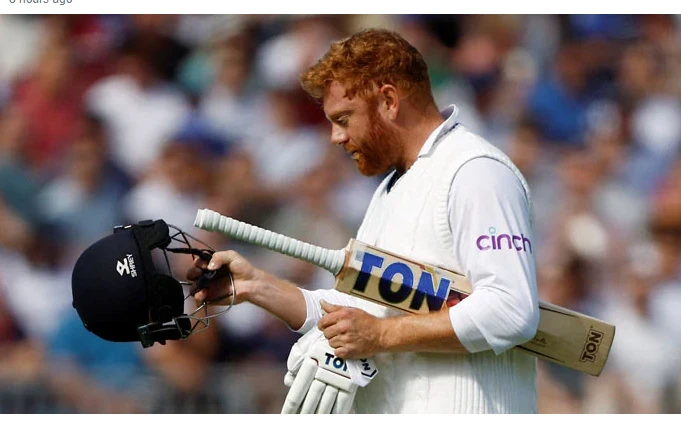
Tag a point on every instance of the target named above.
point(564, 337)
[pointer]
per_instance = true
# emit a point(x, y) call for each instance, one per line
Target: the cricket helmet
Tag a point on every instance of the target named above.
point(121, 295)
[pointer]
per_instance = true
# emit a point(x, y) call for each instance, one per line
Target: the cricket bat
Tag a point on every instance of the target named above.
point(564, 337)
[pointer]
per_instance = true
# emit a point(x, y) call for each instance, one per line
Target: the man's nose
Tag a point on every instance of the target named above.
point(338, 136)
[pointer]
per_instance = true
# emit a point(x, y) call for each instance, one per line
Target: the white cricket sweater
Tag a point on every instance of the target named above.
point(478, 224)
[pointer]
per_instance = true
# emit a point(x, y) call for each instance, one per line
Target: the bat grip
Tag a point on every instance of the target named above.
point(328, 259)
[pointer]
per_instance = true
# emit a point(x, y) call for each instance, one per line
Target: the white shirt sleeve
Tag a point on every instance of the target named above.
point(493, 243)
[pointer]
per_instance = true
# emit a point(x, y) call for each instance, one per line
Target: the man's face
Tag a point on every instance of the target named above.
point(357, 127)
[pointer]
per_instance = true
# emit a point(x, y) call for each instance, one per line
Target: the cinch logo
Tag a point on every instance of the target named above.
point(127, 266)
point(425, 286)
point(503, 241)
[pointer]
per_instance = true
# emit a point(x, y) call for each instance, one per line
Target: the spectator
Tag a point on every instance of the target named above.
point(642, 356)
point(45, 98)
point(90, 375)
point(177, 184)
point(83, 200)
point(281, 58)
point(19, 186)
point(21, 361)
point(40, 272)
point(558, 102)
point(233, 104)
point(140, 108)
point(21, 41)
point(277, 153)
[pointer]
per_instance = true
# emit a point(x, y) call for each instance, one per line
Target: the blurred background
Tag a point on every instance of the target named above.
point(118, 118)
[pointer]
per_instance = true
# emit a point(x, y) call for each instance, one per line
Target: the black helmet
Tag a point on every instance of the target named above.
point(121, 297)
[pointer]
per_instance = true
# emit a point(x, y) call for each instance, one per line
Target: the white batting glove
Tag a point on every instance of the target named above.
point(319, 381)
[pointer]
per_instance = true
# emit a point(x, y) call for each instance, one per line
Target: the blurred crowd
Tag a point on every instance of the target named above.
point(114, 119)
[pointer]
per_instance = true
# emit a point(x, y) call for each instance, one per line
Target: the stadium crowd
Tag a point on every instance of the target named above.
point(114, 119)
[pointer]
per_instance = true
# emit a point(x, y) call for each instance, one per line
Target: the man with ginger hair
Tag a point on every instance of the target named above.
point(448, 196)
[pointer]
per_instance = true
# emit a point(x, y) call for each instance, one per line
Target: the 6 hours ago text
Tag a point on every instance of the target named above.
point(61, 2)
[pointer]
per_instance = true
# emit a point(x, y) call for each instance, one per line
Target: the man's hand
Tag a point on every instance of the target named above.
point(352, 332)
point(280, 297)
point(243, 273)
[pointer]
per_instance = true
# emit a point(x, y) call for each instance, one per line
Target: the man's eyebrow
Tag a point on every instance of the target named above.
point(334, 116)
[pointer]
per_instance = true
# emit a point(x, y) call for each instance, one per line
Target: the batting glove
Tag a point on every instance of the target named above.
point(319, 381)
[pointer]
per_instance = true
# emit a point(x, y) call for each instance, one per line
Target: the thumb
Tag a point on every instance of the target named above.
point(329, 308)
point(222, 258)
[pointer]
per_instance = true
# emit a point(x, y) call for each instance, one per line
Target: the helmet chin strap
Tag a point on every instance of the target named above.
point(158, 332)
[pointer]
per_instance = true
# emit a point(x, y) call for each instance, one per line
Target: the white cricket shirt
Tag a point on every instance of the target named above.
point(464, 206)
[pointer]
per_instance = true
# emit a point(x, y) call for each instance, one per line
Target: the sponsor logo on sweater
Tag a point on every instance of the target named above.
point(502, 241)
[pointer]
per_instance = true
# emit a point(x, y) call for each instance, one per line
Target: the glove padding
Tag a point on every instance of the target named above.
point(319, 381)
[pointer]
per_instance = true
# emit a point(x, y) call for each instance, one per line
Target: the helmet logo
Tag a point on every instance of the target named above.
point(126, 266)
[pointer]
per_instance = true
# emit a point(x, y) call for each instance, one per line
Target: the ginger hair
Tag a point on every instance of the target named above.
point(371, 58)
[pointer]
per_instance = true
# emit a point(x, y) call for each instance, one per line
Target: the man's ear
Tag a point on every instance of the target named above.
point(388, 102)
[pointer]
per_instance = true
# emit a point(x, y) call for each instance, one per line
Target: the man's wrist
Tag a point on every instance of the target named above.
point(386, 333)
point(254, 289)
point(281, 298)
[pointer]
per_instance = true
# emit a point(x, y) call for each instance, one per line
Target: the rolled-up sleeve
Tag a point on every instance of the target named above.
point(493, 244)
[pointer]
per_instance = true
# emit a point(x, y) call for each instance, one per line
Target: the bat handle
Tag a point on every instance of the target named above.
point(328, 259)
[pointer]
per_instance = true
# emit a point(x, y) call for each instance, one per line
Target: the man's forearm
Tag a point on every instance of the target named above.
point(420, 333)
point(281, 298)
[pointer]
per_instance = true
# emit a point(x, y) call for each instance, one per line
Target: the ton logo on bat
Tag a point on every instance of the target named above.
point(593, 341)
point(425, 285)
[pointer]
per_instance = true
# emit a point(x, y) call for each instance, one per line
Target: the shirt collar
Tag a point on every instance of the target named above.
point(450, 114)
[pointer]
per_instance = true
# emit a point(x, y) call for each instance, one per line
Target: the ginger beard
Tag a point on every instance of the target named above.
point(377, 151)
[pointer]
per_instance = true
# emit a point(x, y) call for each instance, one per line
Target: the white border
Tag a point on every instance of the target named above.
point(350, 7)
point(336, 7)
point(238, 419)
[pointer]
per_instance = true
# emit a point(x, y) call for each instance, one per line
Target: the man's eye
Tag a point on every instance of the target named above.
point(342, 121)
